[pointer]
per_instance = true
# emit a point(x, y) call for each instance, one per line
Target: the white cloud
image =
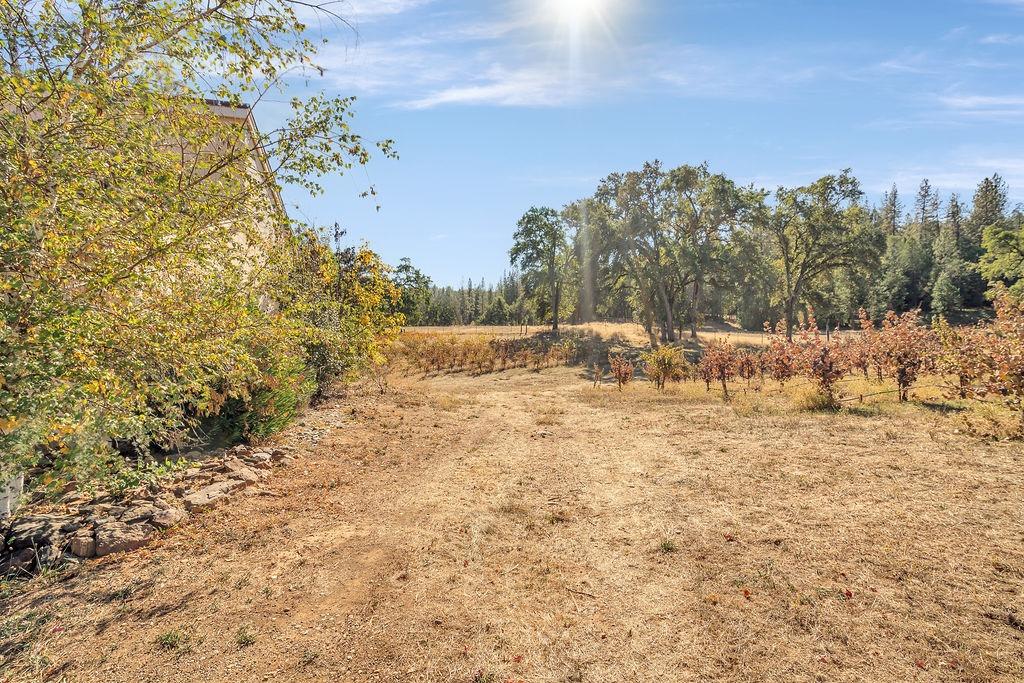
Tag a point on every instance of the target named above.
point(384, 67)
point(366, 9)
point(1002, 39)
point(919, 62)
point(536, 86)
point(691, 71)
point(983, 101)
point(987, 107)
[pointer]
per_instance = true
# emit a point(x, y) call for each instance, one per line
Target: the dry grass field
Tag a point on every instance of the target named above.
point(527, 526)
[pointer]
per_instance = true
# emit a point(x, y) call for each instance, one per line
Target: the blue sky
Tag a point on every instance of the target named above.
point(497, 105)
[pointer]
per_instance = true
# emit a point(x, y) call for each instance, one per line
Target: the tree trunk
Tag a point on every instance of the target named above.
point(649, 329)
point(790, 318)
point(669, 330)
point(556, 301)
point(694, 310)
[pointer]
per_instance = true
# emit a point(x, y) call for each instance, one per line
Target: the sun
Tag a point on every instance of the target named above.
point(577, 12)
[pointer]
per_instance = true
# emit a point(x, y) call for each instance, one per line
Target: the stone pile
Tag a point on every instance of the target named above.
point(85, 526)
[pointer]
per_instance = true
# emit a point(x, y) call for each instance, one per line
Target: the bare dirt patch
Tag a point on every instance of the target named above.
point(526, 526)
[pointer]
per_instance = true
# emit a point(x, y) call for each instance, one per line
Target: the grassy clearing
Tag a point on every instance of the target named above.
point(634, 535)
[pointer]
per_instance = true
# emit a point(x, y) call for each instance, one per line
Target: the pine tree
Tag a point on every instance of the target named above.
point(955, 219)
point(990, 202)
point(948, 268)
point(890, 212)
point(926, 214)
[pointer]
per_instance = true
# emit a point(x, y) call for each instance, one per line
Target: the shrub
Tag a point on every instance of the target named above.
point(719, 363)
point(856, 349)
point(870, 347)
point(665, 364)
point(264, 408)
point(904, 349)
point(622, 369)
point(820, 361)
point(825, 368)
point(703, 372)
point(961, 353)
point(748, 365)
point(146, 260)
point(1003, 365)
point(780, 360)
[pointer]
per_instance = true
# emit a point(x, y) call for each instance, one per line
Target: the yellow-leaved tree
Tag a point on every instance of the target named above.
point(150, 280)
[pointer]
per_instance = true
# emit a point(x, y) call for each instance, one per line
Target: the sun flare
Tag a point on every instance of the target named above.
point(577, 12)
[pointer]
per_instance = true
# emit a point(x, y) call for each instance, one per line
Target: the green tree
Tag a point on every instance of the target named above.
point(988, 208)
point(945, 294)
point(753, 280)
point(415, 289)
point(643, 252)
point(891, 212)
point(497, 312)
point(814, 229)
point(703, 208)
point(927, 207)
point(1003, 260)
point(540, 247)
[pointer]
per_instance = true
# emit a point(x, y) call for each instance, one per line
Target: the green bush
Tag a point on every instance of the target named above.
point(665, 364)
point(265, 408)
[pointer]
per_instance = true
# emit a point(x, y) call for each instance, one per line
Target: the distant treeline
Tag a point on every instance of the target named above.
point(671, 249)
point(511, 301)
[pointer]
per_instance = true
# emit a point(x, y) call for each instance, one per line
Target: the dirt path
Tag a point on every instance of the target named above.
point(526, 527)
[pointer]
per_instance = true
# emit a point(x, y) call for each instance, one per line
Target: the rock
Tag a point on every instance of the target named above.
point(198, 476)
point(68, 560)
point(50, 555)
point(259, 456)
point(263, 464)
point(83, 545)
point(139, 513)
point(38, 530)
point(212, 494)
point(118, 537)
point(20, 562)
point(249, 476)
point(168, 517)
point(237, 469)
point(76, 499)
